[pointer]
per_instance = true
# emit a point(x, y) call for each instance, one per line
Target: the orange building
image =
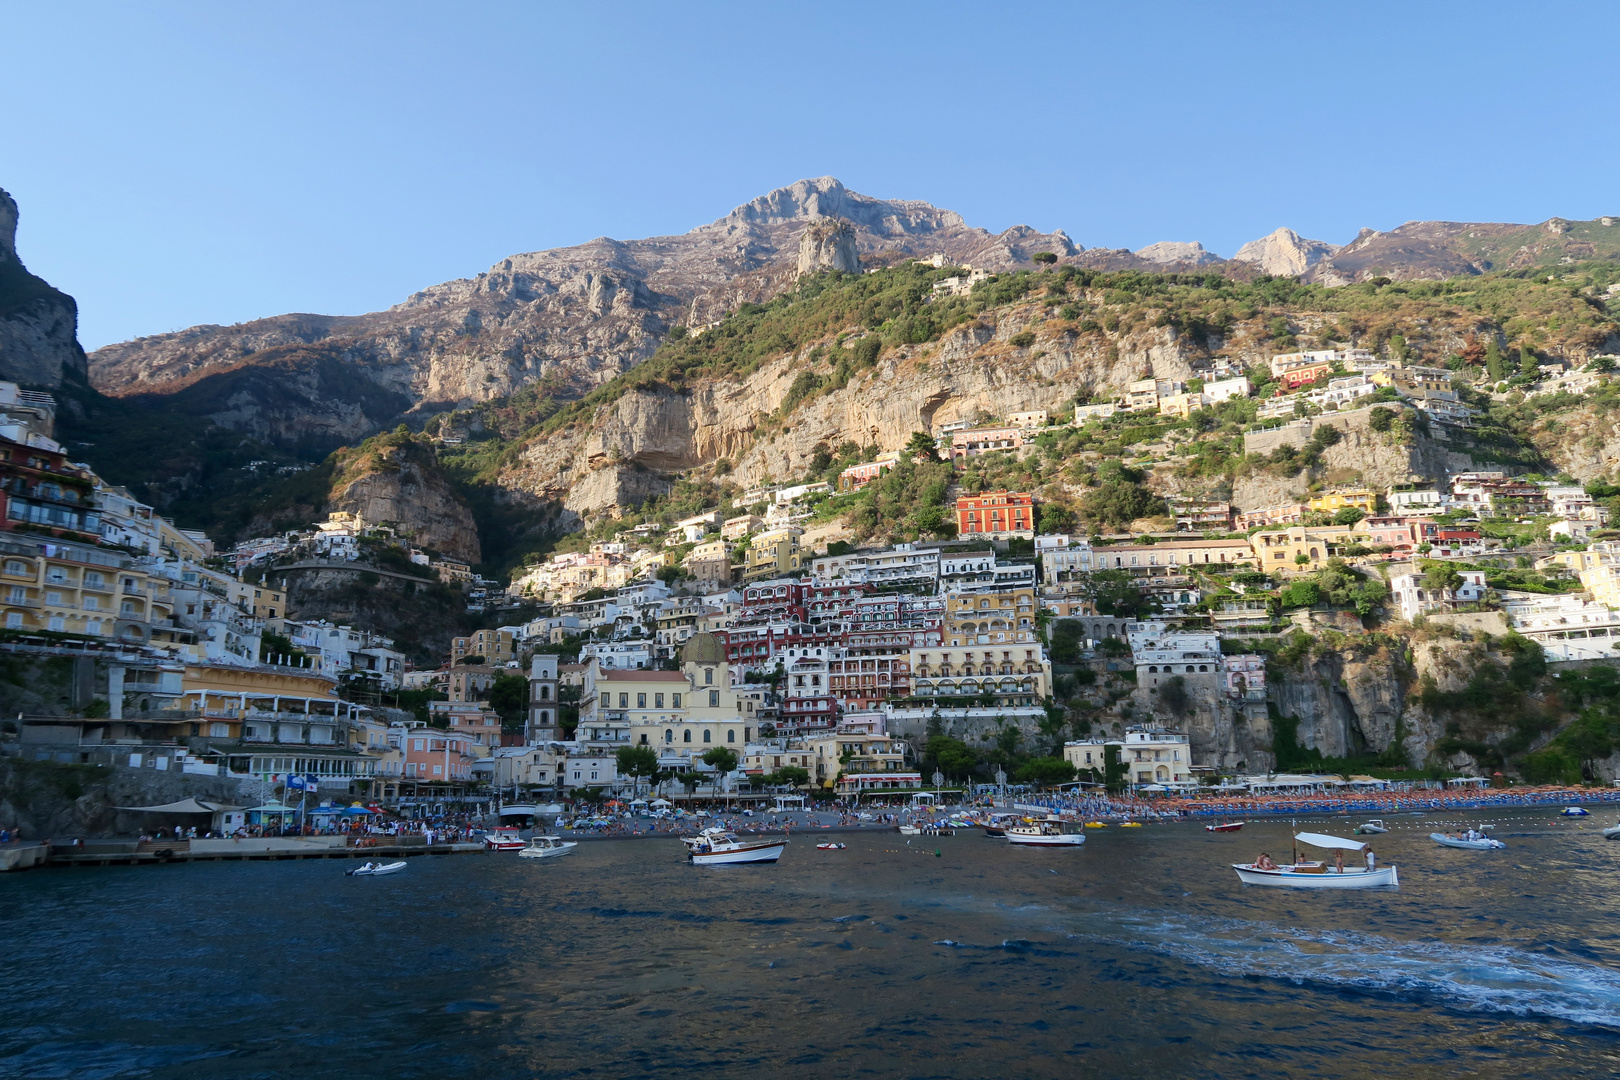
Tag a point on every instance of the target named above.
point(998, 515)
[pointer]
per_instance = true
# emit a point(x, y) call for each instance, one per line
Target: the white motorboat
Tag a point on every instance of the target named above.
point(714, 847)
point(547, 847)
point(1612, 832)
point(1468, 841)
point(503, 839)
point(1376, 825)
point(372, 869)
point(1574, 811)
point(1048, 833)
point(1316, 875)
point(911, 830)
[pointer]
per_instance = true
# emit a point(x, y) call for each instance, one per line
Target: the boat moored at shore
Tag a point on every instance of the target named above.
point(714, 847)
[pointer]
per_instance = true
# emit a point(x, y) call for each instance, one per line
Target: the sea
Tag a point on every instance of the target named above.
point(1138, 955)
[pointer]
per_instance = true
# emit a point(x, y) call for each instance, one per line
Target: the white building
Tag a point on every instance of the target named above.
point(1414, 598)
point(1568, 627)
point(618, 655)
point(1416, 503)
point(1160, 653)
point(1063, 557)
point(1153, 757)
point(1226, 389)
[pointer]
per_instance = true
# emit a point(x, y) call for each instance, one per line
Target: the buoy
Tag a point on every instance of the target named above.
point(936, 853)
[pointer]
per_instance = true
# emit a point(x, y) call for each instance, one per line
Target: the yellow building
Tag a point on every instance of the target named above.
point(773, 554)
point(1603, 582)
point(78, 589)
point(1180, 405)
point(1012, 675)
point(247, 702)
point(986, 618)
point(259, 599)
point(1299, 548)
point(495, 646)
point(1362, 499)
point(681, 714)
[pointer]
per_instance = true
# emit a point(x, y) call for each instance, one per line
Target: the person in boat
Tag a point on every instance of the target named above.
point(1264, 862)
point(1372, 860)
point(1338, 860)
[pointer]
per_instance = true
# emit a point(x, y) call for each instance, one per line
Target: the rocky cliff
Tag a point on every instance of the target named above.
point(1284, 253)
point(39, 342)
point(1435, 250)
point(395, 479)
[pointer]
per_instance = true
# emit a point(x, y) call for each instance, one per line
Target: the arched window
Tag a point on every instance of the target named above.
point(1152, 670)
point(705, 734)
point(686, 736)
point(669, 736)
point(731, 736)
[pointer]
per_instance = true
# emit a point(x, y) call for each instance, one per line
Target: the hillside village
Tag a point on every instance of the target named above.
point(1124, 632)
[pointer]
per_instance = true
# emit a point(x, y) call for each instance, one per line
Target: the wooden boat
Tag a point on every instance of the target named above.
point(1474, 842)
point(1376, 825)
point(1048, 833)
point(1316, 875)
point(714, 847)
point(831, 847)
point(371, 869)
point(503, 839)
point(547, 847)
point(1225, 826)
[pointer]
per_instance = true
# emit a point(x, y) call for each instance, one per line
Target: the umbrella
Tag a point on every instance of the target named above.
point(661, 802)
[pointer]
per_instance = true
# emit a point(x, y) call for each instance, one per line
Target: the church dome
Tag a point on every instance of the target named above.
point(703, 649)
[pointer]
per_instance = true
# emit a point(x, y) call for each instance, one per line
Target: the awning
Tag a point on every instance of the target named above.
point(272, 808)
point(1323, 840)
point(184, 806)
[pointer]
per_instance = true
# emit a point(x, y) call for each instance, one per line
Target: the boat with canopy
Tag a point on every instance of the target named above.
point(1304, 874)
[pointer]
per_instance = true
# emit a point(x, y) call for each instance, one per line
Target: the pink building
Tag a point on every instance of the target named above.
point(434, 756)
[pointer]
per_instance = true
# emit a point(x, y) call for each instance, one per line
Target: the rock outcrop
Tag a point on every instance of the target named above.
point(396, 480)
point(39, 325)
point(828, 244)
point(1284, 253)
point(1176, 251)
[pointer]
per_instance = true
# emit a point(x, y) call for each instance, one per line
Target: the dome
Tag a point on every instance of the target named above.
point(703, 649)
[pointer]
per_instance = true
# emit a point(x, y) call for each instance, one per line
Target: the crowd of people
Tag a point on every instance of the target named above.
point(1359, 802)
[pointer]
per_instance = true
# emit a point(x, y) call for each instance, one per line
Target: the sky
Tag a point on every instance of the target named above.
point(186, 163)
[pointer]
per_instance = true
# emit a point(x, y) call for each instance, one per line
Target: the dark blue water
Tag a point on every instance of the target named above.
point(1137, 956)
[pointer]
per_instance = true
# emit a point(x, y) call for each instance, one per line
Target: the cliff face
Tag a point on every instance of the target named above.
point(395, 479)
point(39, 326)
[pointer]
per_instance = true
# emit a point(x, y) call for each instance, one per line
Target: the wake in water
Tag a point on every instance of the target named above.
point(1491, 979)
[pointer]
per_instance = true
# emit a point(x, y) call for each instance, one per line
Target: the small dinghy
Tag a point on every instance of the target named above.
point(1469, 841)
point(1225, 826)
point(831, 847)
point(1376, 825)
point(1574, 811)
point(371, 869)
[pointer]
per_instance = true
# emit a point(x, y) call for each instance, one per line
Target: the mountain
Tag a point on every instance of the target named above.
point(1434, 250)
point(1284, 253)
point(569, 318)
point(39, 326)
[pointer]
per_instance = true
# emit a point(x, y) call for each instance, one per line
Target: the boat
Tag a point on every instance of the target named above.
point(1612, 832)
point(712, 847)
point(1225, 826)
point(831, 847)
point(997, 825)
point(1096, 824)
point(1376, 825)
point(1469, 841)
point(1316, 875)
point(503, 840)
point(1130, 824)
point(547, 847)
point(371, 869)
point(911, 830)
point(1574, 811)
point(1048, 833)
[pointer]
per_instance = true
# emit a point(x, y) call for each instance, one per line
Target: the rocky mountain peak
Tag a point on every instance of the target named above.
point(1284, 253)
point(39, 325)
point(1177, 251)
point(828, 244)
point(8, 226)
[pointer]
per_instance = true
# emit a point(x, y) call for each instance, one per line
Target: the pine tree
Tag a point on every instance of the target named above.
point(1528, 365)
point(1493, 362)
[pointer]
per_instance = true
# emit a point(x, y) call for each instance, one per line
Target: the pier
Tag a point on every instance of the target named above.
point(263, 849)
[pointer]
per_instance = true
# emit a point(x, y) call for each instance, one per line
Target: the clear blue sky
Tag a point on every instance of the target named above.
point(188, 163)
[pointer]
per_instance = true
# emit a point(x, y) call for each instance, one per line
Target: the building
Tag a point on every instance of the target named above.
point(1413, 598)
point(495, 646)
point(1270, 516)
point(1162, 758)
point(738, 527)
point(1102, 411)
point(1301, 548)
point(1568, 627)
point(972, 442)
point(618, 655)
point(1160, 653)
point(1064, 559)
point(1181, 405)
point(1415, 503)
point(1244, 676)
point(43, 493)
point(858, 476)
point(773, 554)
point(859, 757)
point(1363, 499)
point(1221, 390)
point(471, 719)
point(1200, 515)
point(1007, 676)
point(1170, 557)
point(997, 515)
point(471, 682)
point(544, 704)
point(990, 618)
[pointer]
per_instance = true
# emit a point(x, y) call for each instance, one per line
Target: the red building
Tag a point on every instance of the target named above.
point(42, 492)
point(999, 515)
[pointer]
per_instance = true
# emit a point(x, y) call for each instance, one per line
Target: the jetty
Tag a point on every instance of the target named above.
point(260, 848)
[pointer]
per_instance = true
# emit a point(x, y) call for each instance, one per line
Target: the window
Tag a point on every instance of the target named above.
point(686, 736)
point(641, 701)
point(15, 566)
point(438, 770)
point(675, 701)
point(669, 736)
point(708, 676)
point(624, 701)
point(714, 699)
point(731, 736)
point(705, 734)
point(420, 744)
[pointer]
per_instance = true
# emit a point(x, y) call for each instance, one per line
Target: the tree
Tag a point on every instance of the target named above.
point(1381, 419)
point(509, 696)
point(1056, 518)
point(790, 776)
point(1494, 367)
point(1045, 258)
point(1442, 577)
point(1045, 771)
point(1173, 694)
point(1114, 592)
point(1115, 771)
point(637, 762)
point(922, 444)
point(953, 757)
point(1529, 366)
point(1349, 515)
point(721, 760)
